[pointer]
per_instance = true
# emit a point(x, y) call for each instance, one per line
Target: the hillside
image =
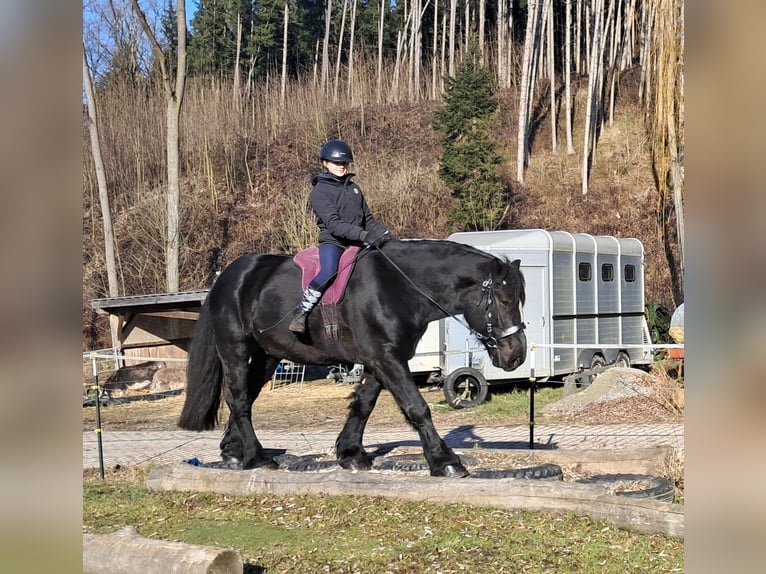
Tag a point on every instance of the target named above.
point(246, 177)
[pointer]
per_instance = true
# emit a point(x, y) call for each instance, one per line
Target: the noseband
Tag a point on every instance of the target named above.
point(493, 337)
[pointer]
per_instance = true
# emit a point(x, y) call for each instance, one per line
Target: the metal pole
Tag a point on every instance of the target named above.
point(98, 420)
point(532, 398)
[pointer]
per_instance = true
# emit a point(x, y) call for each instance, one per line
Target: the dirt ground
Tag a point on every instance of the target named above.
point(618, 395)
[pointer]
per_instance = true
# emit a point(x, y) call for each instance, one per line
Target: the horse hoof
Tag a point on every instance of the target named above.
point(454, 471)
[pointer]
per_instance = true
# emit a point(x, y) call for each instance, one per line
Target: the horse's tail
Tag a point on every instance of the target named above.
point(204, 378)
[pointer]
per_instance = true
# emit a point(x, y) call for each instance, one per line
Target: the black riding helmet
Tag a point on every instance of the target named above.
point(337, 151)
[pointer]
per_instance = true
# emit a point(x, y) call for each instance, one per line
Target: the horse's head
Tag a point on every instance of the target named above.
point(497, 319)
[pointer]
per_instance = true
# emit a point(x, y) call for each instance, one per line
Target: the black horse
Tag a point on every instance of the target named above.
point(392, 295)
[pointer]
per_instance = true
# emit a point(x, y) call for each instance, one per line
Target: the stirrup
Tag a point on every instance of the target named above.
point(298, 324)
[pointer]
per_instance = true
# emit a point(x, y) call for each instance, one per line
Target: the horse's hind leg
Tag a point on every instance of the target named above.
point(348, 446)
point(246, 369)
point(441, 459)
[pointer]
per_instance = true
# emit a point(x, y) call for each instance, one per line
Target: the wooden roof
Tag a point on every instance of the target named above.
point(132, 304)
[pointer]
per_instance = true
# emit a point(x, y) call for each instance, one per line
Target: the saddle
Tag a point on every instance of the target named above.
point(308, 261)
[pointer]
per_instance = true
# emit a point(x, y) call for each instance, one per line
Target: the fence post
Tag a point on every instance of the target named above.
point(532, 397)
point(98, 418)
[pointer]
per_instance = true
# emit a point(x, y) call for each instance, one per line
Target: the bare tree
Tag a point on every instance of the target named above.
point(235, 89)
point(452, 17)
point(531, 47)
point(379, 82)
point(592, 101)
point(482, 17)
point(340, 49)
point(568, 74)
point(283, 88)
point(434, 50)
point(103, 191)
point(664, 93)
point(352, 31)
point(174, 96)
point(500, 60)
point(551, 72)
point(326, 46)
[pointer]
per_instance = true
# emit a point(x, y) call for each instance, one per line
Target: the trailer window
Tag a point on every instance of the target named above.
point(630, 273)
point(607, 272)
point(583, 272)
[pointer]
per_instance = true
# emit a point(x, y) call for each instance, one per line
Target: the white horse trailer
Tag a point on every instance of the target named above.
point(584, 312)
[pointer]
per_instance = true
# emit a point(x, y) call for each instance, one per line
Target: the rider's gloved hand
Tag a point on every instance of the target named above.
point(375, 238)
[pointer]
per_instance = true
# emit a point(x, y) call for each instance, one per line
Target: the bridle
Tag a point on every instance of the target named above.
point(491, 338)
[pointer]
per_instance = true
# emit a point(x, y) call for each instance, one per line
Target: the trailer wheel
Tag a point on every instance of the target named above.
point(622, 360)
point(465, 387)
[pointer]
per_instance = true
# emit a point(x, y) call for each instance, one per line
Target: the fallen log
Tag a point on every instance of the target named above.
point(648, 516)
point(650, 460)
point(127, 552)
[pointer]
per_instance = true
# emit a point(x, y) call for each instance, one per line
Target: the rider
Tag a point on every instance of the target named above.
point(343, 219)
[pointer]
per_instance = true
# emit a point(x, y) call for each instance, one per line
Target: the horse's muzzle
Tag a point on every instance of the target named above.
point(510, 352)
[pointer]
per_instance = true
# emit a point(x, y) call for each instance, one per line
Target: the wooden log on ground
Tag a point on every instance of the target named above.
point(642, 515)
point(127, 552)
point(651, 460)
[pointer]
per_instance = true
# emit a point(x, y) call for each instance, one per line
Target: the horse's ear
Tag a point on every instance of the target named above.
point(516, 263)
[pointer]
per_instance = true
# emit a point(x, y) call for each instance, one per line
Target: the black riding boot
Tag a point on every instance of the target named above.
point(308, 302)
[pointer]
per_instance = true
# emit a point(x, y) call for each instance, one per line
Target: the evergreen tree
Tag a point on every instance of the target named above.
point(212, 45)
point(468, 160)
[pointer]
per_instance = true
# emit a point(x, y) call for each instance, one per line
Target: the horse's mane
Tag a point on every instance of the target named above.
point(463, 247)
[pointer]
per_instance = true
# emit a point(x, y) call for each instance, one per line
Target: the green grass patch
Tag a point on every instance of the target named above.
point(307, 534)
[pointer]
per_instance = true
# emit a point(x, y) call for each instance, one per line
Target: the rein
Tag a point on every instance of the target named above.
point(487, 287)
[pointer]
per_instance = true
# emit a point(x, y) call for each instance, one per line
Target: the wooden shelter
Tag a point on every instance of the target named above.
point(158, 325)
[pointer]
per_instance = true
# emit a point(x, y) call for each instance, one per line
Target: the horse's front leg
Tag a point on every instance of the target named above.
point(348, 446)
point(442, 460)
point(240, 447)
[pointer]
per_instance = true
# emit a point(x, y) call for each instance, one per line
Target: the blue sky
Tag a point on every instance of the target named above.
point(191, 7)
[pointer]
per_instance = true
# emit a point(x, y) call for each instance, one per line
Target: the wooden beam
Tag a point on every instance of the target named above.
point(648, 516)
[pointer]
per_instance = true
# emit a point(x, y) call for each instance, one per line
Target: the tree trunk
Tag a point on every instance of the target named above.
point(525, 93)
point(435, 52)
point(127, 552)
point(103, 192)
point(326, 47)
point(443, 60)
point(340, 49)
point(452, 17)
point(235, 91)
point(591, 104)
point(568, 75)
point(510, 52)
point(578, 37)
point(397, 66)
point(482, 16)
point(283, 88)
point(174, 96)
point(677, 141)
point(500, 60)
point(379, 84)
point(467, 26)
point(352, 31)
point(552, 75)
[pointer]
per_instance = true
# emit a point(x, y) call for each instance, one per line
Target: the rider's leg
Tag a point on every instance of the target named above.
point(329, 256)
